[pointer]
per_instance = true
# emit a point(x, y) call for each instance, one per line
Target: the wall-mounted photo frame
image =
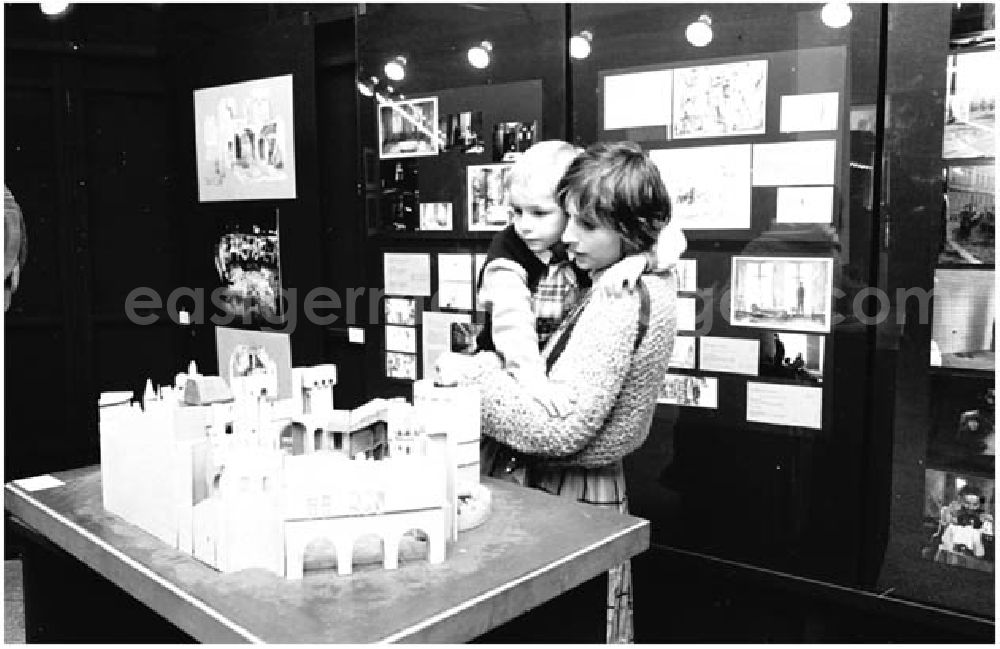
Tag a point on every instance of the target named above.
point(970, 121)
point(964, 319)
point(408, 128)
point(959, 517)
point(246, 354)
point(969, 229)
point(486, 192)
point(247, 261)
point(245, 140)
point(790, 293)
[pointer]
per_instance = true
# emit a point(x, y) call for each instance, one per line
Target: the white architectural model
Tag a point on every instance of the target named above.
point(240, 480)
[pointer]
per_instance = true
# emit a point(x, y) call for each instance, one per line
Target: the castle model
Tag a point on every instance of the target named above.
point(238, 479)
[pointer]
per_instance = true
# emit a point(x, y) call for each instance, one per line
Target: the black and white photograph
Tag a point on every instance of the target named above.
point(787, 355)
point(689, 390)
point(435, 217)
point(486, 190)
point(511, 139)
point(400, 366)
point(970, 120)
point(963, 435)
point(408, 128)
point(400, 339)
point(247, 262)
point(400, 209)
point(792, 293)
point(959, 513)
point(463, 132)
point(969, 235)
point(963, 319)
point(400, 311)
point(242, 353)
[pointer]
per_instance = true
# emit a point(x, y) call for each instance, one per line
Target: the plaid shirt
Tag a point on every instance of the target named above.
point(554, 297)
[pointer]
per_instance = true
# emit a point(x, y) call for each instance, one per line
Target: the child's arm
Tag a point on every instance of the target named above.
point(670, 244)
point(504, 293)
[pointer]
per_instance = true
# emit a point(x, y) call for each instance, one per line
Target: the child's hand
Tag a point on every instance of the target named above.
point(624, 276)
point(450, 368)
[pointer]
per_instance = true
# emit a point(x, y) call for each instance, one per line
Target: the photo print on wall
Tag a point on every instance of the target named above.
point(400, 311)
point(970, 121)
point(486, 191)
point(245, 140)
point(720, 100)
point(511, 139)
point(969, 235)
point(709, 187)
point(963, 436)
point(686, 390)
point(463, 132)
point(408, 128)
point(247, 263)
point(963, 319)
point(792, 293)
point(959, 518)
point(250, 359)
point(435, 216)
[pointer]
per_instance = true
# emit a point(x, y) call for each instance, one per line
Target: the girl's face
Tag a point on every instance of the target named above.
point(594, 244)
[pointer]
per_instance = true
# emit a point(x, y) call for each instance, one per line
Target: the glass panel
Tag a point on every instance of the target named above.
point(765, 137)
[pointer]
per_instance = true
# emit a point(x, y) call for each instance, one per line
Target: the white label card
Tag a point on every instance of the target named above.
point(734, 355)
point(785, 405)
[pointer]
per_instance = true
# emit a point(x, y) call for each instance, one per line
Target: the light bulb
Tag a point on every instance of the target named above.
point(365, 89)
point(579, 45)
point(699, 33)
point(479, 55)
point(395, 69)
point(835, 14)
point(50, 8)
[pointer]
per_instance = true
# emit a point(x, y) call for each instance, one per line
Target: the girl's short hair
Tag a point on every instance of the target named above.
point(621, 187)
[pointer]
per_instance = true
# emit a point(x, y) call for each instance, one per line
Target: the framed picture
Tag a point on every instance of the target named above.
point(970, 123)
point(792, 293)
point(400, 366)
point(262, 357)
point(963, 320)
point(709, 186)
point(408, 128)
point(463, 132)
point(245, 140)
point(247, 263)
point(720, 100)
point(400, 311)
point(511, 139)
point(435, 216)
point(959, 518)
point(687, 390)
point(486, 191)
point(969, 230)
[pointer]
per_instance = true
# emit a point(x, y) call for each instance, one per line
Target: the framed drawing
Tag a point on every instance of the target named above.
point(245, 140)
point(792, 293)
point(720, 100)
point(486, 192)
point(408, 128)
point(709, 186)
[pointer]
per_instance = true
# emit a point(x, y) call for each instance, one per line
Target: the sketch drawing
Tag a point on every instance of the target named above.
point(720, 100)
point(245, 140)
point(708, 186)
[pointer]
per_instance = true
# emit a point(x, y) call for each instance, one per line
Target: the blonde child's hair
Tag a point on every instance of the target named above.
point(543, 163)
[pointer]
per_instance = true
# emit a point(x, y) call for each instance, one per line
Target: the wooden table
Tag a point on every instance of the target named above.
point(532, 548)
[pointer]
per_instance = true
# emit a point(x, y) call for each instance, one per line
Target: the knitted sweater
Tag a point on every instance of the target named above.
point(608, 391)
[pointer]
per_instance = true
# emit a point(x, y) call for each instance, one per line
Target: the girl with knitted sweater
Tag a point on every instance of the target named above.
point(606, 361)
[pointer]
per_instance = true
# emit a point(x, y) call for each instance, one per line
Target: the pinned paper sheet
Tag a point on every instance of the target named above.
point(38, 483)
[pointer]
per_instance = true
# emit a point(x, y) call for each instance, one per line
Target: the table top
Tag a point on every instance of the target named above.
point(532, 547)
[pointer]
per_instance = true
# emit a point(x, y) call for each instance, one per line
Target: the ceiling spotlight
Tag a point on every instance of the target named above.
point(53, 8)
point(365, 89)
point(699, 33)
point(579, 45)
point(395, 69)
point(479, 55)
point(836, 14)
